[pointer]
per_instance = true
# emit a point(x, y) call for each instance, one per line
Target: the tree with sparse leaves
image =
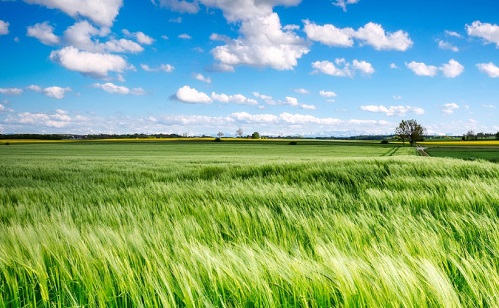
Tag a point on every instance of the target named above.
point(410, 130)
point(239, 132)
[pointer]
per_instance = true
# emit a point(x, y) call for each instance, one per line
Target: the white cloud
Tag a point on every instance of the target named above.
point(185, 36)
point(363, 66)
point(422, 69)
point(262, 96)
point(81, 33)
point(489, 106)
point(486, 31)
point(397, 97)
point(181, 6)
point(123, 46)
point(449, 108)
point(177, 20)
point(190, 95)
point(237, 99)
point(2, 107)
point(371, 34)
point(343, 3)
point(263, 41)
point(34, 88)
point(308, 107)
point(452, 33)
point(80, 36)
point(138, 91)
point(44, 32)
point(115, 89)
point(54, 91)
point(489, 68)
point(447, 46)
point(329, 35)
point(101, 12)
point(112, 88)
point(301, 91)
point(163, 67)
point(327, 93)
point(141, 37)
point(59, 119)
point(374, 35)
point(393, 110)
point(11, 91)
point(452, 69)
point(291, 101)
point(93, 64)
point(4, 27)
point(202, 78)
point(393, 66)
point(341, 68)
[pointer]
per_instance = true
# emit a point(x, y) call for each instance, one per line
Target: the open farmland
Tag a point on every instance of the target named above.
point(268, 224)
point(468, 150)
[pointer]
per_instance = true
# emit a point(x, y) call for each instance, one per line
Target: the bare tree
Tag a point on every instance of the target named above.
point(220, 134)
point(410, 130)
point(239, 132)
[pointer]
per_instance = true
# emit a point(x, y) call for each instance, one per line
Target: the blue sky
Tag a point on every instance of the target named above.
point(279, 67)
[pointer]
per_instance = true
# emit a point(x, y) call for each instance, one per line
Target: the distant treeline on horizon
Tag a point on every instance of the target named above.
point(175, 136)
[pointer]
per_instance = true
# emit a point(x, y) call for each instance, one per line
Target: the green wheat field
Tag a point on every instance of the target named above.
point(245, 224)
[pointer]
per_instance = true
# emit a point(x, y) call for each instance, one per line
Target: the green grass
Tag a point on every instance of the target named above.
point(245, 225)
point(466, 152)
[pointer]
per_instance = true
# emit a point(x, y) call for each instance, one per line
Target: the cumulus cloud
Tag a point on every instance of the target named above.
point(81, 33)
point(452, 69)
point(11, 91)
point(190, 95)
point(181, 6)
point(452, 33)
point(44, 32)
point(447, 46)
point(237, 99)
point(59, 119)
point(200, 77)
point(393, 110)
point(263, 41)
point(141, 37)
point(393, 66)
point(308, 107)
point(329, 35)
point(100, 12)
point(116, 89)
point(301, 91)
point(489, 68)
point(328, 94)
point(374, 35)
point(185, 36)
point(371, 34)
point(54, 91)
point(486, 31)
point(421, 69)
point(4, 27)
point(96, 65)
point(449, 108)
point(163, 67)
point(341, 68)
point(343, 3)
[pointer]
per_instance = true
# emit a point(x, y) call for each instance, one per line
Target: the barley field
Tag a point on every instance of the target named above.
point(257, 224)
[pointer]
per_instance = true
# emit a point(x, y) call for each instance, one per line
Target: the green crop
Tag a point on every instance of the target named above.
point(245, 225)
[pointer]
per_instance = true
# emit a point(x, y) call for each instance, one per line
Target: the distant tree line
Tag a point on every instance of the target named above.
point(471, 135)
